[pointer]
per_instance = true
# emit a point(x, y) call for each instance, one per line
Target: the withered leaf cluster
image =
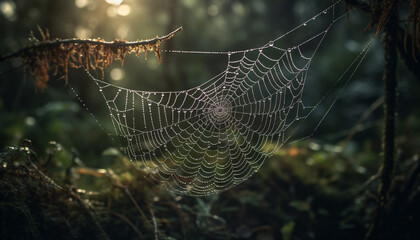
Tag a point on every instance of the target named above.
point(46, 56)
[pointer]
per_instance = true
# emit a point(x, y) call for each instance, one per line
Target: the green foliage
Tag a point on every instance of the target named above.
point(119, 199)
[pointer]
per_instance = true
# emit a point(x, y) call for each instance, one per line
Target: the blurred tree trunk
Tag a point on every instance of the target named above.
point(399, 43)
point(388, 143)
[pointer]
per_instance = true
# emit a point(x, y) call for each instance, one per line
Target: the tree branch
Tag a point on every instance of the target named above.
point(48, 55)
point(125, 219)
point(96, 42)
point(390, 84)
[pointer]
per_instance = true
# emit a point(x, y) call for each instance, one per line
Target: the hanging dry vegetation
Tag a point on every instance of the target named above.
point(414, 23)
point(407, 29)
point(46, 55)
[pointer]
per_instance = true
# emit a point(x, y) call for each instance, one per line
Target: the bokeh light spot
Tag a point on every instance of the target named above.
point(122, 31)
point(114, 2)
point(82, 32)
point(152, 63)
point(212, 10)
point(117, 74)
point(238, 8)
point(111, 11)
point(81, 3)
point(30, 121)
point(8, 9)
point(189, 3)
point(33, 13)
point(124, 10)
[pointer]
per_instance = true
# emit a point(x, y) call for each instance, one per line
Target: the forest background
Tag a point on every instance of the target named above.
point(73, 181)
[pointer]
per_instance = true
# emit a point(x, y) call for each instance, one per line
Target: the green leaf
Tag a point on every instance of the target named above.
point(287, 230)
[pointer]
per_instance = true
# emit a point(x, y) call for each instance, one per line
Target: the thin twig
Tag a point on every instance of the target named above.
point(408, 51)
point(30, 155)
point(149, 225)
point(411, 179)
point(128, 222)
point(101, 173)
point(155, 229)
point(181, 216)
point(359, 5)
point(364, 116)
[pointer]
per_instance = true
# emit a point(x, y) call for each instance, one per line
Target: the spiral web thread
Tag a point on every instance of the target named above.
point(209, 138)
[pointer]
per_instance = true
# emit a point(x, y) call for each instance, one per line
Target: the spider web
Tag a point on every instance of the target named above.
point(209, 138)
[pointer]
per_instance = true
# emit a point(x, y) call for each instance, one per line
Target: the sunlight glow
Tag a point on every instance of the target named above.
point(122, 31)
point(117, 74)
point(30, 121)
point(124, 10)
point(81, 3)
point(111, 11)
point(114, 2)
point(82, 32)
point(8, 9)
point(152, 63)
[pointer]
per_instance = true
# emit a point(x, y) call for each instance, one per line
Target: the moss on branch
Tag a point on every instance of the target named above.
point(45, 55)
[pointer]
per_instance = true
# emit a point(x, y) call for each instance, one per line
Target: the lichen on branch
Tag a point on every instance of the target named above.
point(46, 54)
